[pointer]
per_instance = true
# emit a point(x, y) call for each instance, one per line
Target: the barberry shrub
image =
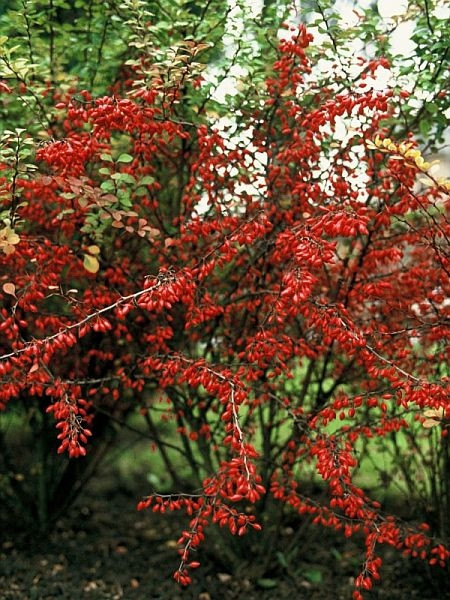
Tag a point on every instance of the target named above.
point(276, 291)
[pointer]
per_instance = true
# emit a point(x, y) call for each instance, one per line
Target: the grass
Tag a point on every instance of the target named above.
point(135, 463)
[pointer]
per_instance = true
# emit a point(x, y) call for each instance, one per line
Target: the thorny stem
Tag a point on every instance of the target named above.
point(122, 300)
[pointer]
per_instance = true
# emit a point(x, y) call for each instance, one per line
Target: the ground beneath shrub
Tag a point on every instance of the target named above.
point(104, 549)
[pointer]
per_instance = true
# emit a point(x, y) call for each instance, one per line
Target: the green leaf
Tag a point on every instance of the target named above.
point(147, 180)
point(123, 177)
point(337, 555)
point(424, 127)
point(127, 178)
point(282, 560)
point(107, 157)
point(107, 186)
point(125, 203)
point(125, 158)
point(313, 575)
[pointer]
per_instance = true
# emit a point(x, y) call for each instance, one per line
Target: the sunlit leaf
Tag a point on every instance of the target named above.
point(91, 263)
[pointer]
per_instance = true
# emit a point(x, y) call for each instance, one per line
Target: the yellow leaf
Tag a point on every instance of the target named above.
point(13, 238)
point(428, 423)
point(9, 236)
point(91, 263)
point(419, 161)
point(7, 249)
point(93, 250)
point(412, 154)
point(434, 413)
point(9, 288)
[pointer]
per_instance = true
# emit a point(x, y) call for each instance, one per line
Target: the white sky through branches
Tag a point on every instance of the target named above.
point(397, 20)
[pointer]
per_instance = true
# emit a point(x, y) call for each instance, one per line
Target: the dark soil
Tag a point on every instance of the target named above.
point(105, 549)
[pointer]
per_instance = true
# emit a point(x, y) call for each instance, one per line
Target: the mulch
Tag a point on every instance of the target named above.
point(104, 549)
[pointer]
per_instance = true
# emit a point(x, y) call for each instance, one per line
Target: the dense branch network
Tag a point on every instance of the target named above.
point(123, 290)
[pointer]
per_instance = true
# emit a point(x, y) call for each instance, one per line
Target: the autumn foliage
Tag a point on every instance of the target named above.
point(277, 295)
